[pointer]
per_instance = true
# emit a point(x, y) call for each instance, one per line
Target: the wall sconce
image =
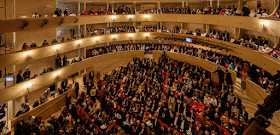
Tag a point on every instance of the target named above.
point(57, 74)
point(130, 36)
point(114, 37)
point(27, 54)
point(264, 23)
point(114, 17)
point(27, 86)
point(96, 38)
point(130, 17)
point(78, 42)
point(57, 47)
point(146, 16)
point(147, 35)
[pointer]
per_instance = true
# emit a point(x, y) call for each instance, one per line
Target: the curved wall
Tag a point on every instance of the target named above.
point(249, 23)
point(264, 61)
point(100, 62)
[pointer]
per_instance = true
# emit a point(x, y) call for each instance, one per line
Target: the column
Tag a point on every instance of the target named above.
point(134, 6)
point(218, 3)
point(159, 7)
point(13, 42)
point(107, 6)
point(187, 4)
point(85, 52)
point(113, 8)
point(79, 8)
point(79, 30)
point(10, 112)
point(14, 33)
point(14, 9)
point(235, 33)
point(207, 28)
point(211, 3)
point(85, 30)
point(183, 4)
point(85, 6)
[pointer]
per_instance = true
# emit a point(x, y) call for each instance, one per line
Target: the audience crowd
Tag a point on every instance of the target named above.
point(119, 29)
point(244, 69)
point(149, 97)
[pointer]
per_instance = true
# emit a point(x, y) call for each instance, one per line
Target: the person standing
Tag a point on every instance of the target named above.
point(228, 78)
point(68, 100)
point(19, 77)
point(58, 61)
point(64, 60)
point(91, 76)
point(65, 12)
point(85, 79)
point(77, 87)
point(220, 74)
point(26, 74)
point(245, 11)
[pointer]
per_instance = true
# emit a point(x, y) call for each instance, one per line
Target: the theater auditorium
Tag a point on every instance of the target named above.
point(139, 67)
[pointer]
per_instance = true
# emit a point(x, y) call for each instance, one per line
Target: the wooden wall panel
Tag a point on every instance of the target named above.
point(29, 7)
point(34, 35)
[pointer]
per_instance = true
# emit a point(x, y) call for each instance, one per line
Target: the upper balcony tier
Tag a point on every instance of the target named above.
point(262, 60)
point(269, 26)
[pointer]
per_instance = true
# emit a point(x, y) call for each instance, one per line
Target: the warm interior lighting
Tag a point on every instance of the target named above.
point(147, 34)
point(57, 73)
point(114, 17)
point(96, 38)
point(130, 16)
point(264, 23)
point(146, 16)
point(79, 41)
point(27, 53)
point(27, 85)
point(114, 36)
point(57, 47)
point(130, 35)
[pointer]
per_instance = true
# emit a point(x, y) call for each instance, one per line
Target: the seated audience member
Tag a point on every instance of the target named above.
point(33, 45)
point(66, 12)
point(245, 11)
point(45, 43)
point(54, 41)
point(35, 15)
point(25, 46)
point(57, 12)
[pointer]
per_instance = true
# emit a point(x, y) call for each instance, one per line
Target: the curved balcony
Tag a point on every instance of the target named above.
point(101, 62)
point(262, 60)
point(249, 23)
point(111, 61)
